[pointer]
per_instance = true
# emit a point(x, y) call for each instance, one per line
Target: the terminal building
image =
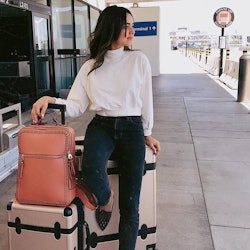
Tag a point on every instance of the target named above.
point(203, 169)
point(43, 44)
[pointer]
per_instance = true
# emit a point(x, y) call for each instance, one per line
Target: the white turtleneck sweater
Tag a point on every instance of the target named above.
point(122, 86)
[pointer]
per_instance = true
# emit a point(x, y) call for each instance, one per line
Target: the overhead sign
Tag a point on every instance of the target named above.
point(145, 28)
point(223, 17)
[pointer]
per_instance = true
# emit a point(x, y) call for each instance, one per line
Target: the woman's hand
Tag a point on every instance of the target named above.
point(153, 144)
point(40, 106)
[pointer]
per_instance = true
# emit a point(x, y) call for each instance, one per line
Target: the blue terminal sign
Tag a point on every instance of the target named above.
point(145, 28)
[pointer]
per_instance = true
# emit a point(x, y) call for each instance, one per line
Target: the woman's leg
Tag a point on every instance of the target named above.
point(98, 146)
point(131, 162)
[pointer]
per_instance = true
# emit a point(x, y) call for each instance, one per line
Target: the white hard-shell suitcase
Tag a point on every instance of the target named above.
point(108, 239)
point(45, 227)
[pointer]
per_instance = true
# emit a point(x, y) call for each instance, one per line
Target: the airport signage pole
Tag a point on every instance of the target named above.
point(223, 17)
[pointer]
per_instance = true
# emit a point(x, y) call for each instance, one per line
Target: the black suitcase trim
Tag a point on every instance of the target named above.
point(147, 167)
point(56, 230)
point(143, 232)
point(151, 247)
point(95, 239)
point(150, 166)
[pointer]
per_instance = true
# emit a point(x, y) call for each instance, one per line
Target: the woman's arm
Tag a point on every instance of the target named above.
point(153, 144)
point(40, 106)
point(76, 103)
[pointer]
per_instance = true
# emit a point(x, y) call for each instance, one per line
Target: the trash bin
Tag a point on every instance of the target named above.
point(244, 79)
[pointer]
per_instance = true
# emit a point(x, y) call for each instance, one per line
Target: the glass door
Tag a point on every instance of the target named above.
point(42, 54)
point(81, 32)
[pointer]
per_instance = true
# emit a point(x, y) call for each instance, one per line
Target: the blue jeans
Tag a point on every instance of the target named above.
point(123, 138)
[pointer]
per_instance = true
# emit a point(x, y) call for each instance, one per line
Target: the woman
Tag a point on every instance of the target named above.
point(116, 83)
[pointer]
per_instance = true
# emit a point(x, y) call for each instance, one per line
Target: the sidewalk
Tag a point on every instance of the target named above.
point(204, 167)
point(203, 170)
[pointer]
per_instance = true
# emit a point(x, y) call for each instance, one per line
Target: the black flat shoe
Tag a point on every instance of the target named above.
point(102, 218)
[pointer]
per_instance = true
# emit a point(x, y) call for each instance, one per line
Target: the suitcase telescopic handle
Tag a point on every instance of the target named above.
point(61, 107)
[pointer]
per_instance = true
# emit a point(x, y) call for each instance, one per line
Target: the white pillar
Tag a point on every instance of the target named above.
point(147, 34)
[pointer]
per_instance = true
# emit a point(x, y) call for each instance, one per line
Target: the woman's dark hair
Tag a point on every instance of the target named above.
point(107, 30)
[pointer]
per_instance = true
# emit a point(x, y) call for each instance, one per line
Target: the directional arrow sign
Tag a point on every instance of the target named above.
point(145, 28)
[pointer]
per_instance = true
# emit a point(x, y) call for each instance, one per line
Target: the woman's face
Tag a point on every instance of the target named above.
point(127, 34)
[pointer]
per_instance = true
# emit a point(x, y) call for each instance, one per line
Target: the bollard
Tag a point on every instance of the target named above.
point(207, 54)
point(201, 51)
point(244, 79)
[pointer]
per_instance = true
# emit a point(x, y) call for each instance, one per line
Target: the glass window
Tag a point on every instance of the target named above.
point(70, 39)
point(62, 41)
point(94, 14)
point(82, 31)
point(81, 26)
point(41, 54)
point(62, 24)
